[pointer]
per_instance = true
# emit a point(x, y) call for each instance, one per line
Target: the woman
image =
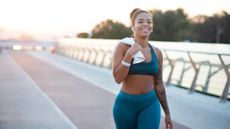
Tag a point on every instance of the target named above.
point(137, 106)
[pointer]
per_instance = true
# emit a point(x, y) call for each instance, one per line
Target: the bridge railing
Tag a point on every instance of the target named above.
point(27, 45)
point(195, 66)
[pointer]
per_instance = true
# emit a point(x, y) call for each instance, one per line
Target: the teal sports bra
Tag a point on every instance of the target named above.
point(145, 68)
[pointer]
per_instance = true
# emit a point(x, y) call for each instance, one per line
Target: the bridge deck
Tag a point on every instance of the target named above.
point(46, 91)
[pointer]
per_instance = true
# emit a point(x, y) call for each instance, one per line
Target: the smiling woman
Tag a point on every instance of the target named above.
point(137, 106)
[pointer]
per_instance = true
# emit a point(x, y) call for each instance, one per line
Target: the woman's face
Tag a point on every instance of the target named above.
point(143, 25)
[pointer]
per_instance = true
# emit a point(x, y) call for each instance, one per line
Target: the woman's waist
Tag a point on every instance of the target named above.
point(138, 82)
point(137, 87)
point(148, 97)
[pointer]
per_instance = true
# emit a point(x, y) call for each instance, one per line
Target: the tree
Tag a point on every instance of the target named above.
point(213, 29)
point(110, 30)
point(83, 35)
point(170, 26)
point(225, 36)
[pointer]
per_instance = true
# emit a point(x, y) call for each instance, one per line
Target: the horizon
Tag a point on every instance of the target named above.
point(50, 19)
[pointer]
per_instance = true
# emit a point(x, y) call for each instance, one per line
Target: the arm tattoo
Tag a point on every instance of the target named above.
point(161, 94)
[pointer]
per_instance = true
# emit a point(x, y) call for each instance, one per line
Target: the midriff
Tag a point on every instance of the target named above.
point(138, 84)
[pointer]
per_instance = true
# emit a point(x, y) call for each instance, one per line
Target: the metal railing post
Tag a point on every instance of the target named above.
point(225, 93)
point(97, 53)
point(193, 85)
point(172, 64)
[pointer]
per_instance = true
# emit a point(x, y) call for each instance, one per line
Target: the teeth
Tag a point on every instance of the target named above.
point(145, 29)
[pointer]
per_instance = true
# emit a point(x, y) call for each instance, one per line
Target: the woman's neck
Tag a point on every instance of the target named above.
point(141, 41)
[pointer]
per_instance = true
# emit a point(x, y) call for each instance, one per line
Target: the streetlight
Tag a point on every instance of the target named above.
point(219, 30)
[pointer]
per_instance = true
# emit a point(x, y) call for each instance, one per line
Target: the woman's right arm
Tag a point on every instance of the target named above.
point(120, 54)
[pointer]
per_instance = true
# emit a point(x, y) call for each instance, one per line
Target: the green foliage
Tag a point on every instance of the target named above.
point(212, 29)
point(172, 25)
point(83, 35)
point(110, 30)
point(169, 26)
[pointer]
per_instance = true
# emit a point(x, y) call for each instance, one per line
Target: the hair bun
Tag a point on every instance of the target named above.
point(134, 11)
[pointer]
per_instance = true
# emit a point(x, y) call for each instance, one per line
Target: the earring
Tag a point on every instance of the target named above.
point(132, 28)
point(151, 30)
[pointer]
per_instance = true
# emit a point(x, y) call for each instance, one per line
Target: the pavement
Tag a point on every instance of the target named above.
point(40, 90)
point(23, 105)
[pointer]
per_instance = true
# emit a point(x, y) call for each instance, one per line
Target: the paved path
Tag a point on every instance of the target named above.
point(195, 110)
point(22, 103)
point(89, 107)
point(60, 93)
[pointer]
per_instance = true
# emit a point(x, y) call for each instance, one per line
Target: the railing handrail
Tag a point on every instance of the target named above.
point(195, 47)
point(101, 49)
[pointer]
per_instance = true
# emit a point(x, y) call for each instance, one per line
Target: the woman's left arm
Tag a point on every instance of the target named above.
point(160, 88)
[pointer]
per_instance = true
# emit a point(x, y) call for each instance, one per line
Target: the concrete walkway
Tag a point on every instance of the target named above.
point(40, 90)
point(195, 110)
point(83, 102)
point(22, 104)
point(87, 106)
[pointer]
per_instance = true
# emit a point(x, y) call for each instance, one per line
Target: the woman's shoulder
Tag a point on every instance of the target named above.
point(158, 52)
point(156, 49)
point(122, 46)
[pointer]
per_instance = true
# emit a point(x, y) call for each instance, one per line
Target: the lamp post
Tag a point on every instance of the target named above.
point(219, 31)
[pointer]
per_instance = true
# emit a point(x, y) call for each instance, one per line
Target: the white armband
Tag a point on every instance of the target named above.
point(125, 63)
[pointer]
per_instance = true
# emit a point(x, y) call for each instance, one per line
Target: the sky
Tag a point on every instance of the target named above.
point(55, 18)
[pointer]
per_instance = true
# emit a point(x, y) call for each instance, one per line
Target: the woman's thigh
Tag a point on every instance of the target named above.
point(124, 115)
point(149, 118)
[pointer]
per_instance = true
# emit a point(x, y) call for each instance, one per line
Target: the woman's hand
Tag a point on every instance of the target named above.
point(134, 48)
point(168, 122)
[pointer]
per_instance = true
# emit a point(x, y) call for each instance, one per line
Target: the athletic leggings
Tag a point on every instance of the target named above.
point(137, 111)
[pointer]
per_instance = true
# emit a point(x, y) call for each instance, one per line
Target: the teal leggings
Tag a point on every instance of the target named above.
point(137, 111)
